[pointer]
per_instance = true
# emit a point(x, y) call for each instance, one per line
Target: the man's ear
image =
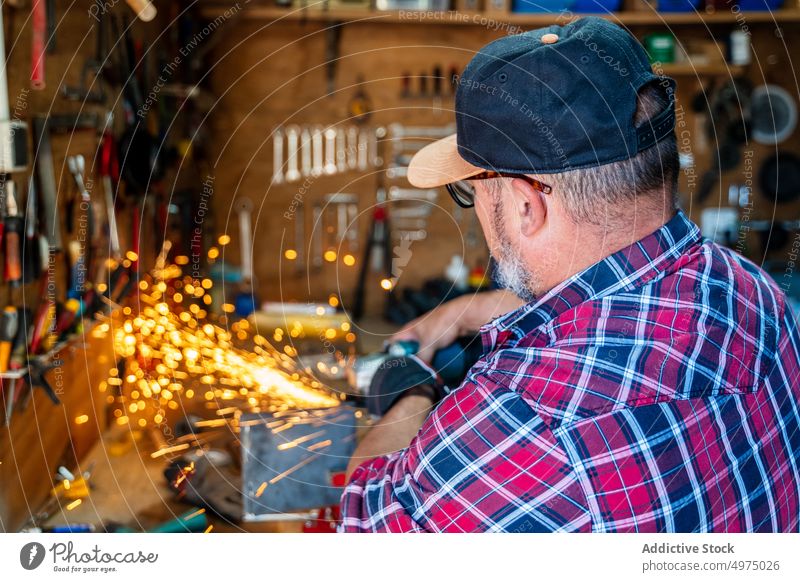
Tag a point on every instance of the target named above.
point(529, 205)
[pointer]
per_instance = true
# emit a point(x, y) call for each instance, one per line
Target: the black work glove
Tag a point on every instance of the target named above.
point(395, 377)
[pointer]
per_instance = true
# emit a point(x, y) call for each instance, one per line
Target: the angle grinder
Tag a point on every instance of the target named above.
point(381, 377)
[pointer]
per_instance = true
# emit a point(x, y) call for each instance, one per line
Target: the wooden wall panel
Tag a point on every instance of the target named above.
point(273, 75)
point(267, 74)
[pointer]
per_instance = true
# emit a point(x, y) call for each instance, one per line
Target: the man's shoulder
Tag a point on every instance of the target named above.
point(709, 327)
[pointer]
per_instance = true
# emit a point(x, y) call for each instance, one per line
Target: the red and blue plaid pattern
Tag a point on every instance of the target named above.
point(658, 390)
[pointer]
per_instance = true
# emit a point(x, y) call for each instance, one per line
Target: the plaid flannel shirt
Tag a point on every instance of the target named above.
point(657, 390)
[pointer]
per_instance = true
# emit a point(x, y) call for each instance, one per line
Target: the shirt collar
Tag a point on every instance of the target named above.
point(626, 269)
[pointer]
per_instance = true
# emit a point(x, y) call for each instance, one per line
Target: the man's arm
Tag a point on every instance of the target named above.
point(483, 460)
point(392, 432)
point(461, 316)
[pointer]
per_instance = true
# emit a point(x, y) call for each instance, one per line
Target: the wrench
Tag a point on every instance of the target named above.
point(400, 130)
point(330, 151)
point(396, 193)
point(305, 152)
point(363, 149)
point(292, 136)
point(244, 209)
point(316, 151)
point(277, 156)
point(374, 157)
point(352, 147)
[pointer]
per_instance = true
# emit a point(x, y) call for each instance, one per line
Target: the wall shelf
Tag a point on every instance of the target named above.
point(690, 70)
point(448, 18)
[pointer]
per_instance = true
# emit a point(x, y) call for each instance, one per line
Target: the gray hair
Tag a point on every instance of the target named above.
point(593, 195)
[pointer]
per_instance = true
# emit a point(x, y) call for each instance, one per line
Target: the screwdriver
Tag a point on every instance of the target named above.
point(12, 271)
point(9, 325)
point(19, 356)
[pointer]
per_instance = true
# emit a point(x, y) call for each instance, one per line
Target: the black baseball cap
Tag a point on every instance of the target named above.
point(549, 100)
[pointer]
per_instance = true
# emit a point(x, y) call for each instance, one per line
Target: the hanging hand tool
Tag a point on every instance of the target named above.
point(18, 357)
point(31, 247)
point(341, 150)
point(405, 85)
point(92, 87)
point(109, 172)
point(277, 156)
point(292, 142)
point(363, 149)
point(19, 347)
point(50, 7)
point(377, 254)
point(453, 79)
point(43, 321)
point(317, 151)
point(9, 326)
point(375, 139)
point(12, 233)
point(352, 147)
point(38, 43)
point(423, 84)
point(246, 301)
point(333, 35)
point(81, 253)
point(305, 152)
point(13, 132)
point(46, 181)
point(437, 78)
point(360, 105)
point(66, 317)
point(330, 151)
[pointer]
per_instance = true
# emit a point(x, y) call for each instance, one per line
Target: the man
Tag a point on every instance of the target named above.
point(645, 379)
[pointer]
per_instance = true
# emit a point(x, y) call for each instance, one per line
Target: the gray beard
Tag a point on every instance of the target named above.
point(511, 272)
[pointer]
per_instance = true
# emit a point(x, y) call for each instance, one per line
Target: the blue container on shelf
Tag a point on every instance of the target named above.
point(759, 5)
point(678, 5)
point(596, 6)
point(540, 6)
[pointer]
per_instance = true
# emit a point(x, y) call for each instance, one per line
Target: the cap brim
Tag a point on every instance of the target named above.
point(439, 163)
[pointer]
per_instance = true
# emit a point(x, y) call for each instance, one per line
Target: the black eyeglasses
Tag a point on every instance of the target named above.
point(463, 193)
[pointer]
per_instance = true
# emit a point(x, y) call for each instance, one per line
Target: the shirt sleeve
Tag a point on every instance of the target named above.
point(482, 461)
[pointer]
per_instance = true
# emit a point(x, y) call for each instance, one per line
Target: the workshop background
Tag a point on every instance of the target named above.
point(207, 233)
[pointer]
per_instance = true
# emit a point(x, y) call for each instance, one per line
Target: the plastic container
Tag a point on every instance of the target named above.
point(540, 6)
point(678, 5)
point(596, 6)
